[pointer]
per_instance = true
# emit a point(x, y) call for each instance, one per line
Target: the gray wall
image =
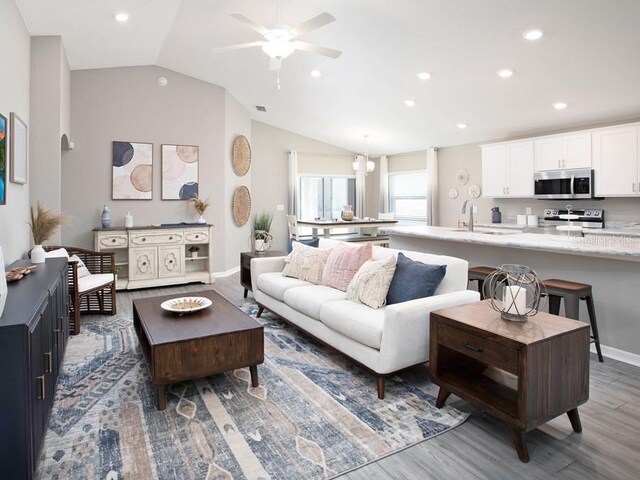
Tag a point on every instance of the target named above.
point(127, 104)
point(15, 238)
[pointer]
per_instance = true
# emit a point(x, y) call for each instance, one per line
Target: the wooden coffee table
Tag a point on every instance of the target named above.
point(214, 340)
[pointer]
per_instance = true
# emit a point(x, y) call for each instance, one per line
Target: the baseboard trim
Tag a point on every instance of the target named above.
point(228, 272)
point(619, 355)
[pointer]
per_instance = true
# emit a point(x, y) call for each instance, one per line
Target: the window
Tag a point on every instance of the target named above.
point(325, 196)
point(408, 196)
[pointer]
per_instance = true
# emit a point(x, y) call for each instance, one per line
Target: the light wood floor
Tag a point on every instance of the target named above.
point(608, 447)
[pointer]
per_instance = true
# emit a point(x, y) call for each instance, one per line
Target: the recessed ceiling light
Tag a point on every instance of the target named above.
point(533, 34)
point(424, 76)
point(316, 73)
point(559, 105)
point(410, 103)
point(461, 126)
point(122, 16)
point(505, 73)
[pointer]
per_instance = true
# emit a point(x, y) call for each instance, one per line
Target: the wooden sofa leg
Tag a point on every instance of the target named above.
point(260, 310)
point(381, 379)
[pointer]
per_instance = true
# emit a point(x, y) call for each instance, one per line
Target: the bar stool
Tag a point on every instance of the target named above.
point(573, 292)
point(480, 274)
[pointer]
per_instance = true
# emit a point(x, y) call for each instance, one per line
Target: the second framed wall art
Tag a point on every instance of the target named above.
point(179, 172)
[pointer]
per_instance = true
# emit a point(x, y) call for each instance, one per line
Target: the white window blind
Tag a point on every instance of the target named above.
point(408, 196)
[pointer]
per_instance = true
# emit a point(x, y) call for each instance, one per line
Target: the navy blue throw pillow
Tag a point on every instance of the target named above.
point(312, 242)
point(413, 279)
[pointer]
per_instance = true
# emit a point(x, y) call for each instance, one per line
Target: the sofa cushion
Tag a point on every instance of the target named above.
point(343, 263)
point(89, 282)
point(309, 300)
point(371, 283)
point(311, 242)
point(305, 263)
point(274, 284)
point(354, 320)
point(414, 279)
point(83, 271)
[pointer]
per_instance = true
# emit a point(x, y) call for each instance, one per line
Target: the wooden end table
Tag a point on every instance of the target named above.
point(245, 266)
point(214, 340)
point(524, 374)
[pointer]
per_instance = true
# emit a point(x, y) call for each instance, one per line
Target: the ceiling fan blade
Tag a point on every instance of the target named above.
point(275, 64)
point(308, 47)
point(313, 23)
point(250, 23)
point(238, 46)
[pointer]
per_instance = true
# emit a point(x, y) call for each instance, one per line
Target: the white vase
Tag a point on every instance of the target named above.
point(37, 254)
point(258, 245)
point(201, 219)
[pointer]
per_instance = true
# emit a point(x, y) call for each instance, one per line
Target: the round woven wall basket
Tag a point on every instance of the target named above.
point(241, 155)
point(241, 205)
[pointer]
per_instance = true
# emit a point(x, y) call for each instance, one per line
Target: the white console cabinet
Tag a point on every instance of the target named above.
point(156, 256)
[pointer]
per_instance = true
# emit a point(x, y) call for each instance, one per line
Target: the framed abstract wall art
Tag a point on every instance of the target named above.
point(132, 171)
point(19, 149)
point(179, 172)
point(3, 160)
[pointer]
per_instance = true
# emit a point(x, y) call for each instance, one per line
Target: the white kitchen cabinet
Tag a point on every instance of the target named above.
point(149, 257)
point(616, 162)
point(507, 170)
point(572, 150)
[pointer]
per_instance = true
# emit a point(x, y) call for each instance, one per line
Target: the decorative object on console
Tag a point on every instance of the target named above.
point(3, 159)
point(347, 213)
point(241, 155)
point(128, 220)
point(200, 206)
point(474, 191)
point(19, 146)
point(193, 250)
point(462, 177)
point(179, 172)
point(241, 205)
point(260, 237)
point(514, 291)
point(132, 171)
point(413, 279)
point(105, 218)
point(44, 223)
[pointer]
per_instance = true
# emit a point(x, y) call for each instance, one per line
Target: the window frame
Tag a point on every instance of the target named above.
point(392, 198)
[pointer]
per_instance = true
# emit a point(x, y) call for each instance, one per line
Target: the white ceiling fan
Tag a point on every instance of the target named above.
point(282, 40)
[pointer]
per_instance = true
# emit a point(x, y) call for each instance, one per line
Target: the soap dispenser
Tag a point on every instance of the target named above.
point(496, 216)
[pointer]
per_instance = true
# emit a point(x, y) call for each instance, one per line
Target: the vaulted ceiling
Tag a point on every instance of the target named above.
point(588, 58)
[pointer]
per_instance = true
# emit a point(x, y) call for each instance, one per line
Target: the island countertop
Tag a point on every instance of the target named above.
point(617, 246)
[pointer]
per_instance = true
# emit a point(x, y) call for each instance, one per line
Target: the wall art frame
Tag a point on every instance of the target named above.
point(19, 149)
point(132, 171)
point(180, 171)
point(3, 159)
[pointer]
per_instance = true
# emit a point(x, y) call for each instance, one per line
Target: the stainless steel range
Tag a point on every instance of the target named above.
point(591, 218)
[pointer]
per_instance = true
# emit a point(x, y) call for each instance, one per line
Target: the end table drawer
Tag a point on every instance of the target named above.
point(483, 349)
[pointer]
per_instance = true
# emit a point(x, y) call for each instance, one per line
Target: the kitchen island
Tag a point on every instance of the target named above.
point(610, 263)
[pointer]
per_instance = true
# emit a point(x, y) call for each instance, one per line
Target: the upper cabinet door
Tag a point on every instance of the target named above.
point(495, 171)
point(548, 153)
point(615, 162)
point(520, 169)
point(576, 151)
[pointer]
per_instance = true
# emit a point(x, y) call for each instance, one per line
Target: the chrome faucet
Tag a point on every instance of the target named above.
point(464, 210)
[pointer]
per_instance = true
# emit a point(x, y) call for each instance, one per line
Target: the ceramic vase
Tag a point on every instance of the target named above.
point(128, 220)
point(106, 217)
point(201, 219)
point(37, 254)
point(347, 213)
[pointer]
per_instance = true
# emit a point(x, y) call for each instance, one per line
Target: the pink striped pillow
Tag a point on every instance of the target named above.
point(343, 263)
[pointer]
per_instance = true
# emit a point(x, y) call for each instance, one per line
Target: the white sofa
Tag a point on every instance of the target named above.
point(384, 340)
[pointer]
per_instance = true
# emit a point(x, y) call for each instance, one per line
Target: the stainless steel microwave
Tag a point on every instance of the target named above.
point(559, 184)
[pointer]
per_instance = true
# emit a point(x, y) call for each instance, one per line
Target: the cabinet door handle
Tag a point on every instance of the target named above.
point(197, 236)
point(144, 264)
point(56, 331)
point(49, 366)
point(170, 238)
point(144, 239)
point(43, 387)
point(471, 347)
point(113, 240)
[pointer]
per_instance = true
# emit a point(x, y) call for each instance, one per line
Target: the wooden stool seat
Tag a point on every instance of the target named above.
point(572, 293)
point(479, 274)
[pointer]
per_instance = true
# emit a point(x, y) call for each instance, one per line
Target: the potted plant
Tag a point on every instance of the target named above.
point(44, 223)
point(200, 206)
point(260, 235)
point(194, 251)
point(117, 272)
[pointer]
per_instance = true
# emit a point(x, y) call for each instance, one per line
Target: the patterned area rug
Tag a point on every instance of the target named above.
point(314, 415)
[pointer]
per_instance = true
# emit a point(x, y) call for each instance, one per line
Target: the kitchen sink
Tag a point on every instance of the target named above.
point(487, 231)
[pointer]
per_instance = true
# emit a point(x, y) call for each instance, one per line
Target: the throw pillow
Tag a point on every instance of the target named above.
point(371, 283)
point(343, 263)
point(414, 279)
point(312, 242)
point(83, 271)
point(305, 263)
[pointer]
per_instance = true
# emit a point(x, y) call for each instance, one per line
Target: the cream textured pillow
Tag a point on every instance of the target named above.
point(83, 271)
point(371, 283)
point(305, 263)
point(343, 263)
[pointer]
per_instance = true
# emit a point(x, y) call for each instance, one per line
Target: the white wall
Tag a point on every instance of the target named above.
point(15, 238)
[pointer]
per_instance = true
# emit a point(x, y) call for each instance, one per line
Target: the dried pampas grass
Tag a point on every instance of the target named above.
point(45, 222)
point(200, 205)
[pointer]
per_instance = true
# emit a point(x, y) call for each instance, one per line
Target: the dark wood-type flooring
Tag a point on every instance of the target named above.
point(608, 447)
